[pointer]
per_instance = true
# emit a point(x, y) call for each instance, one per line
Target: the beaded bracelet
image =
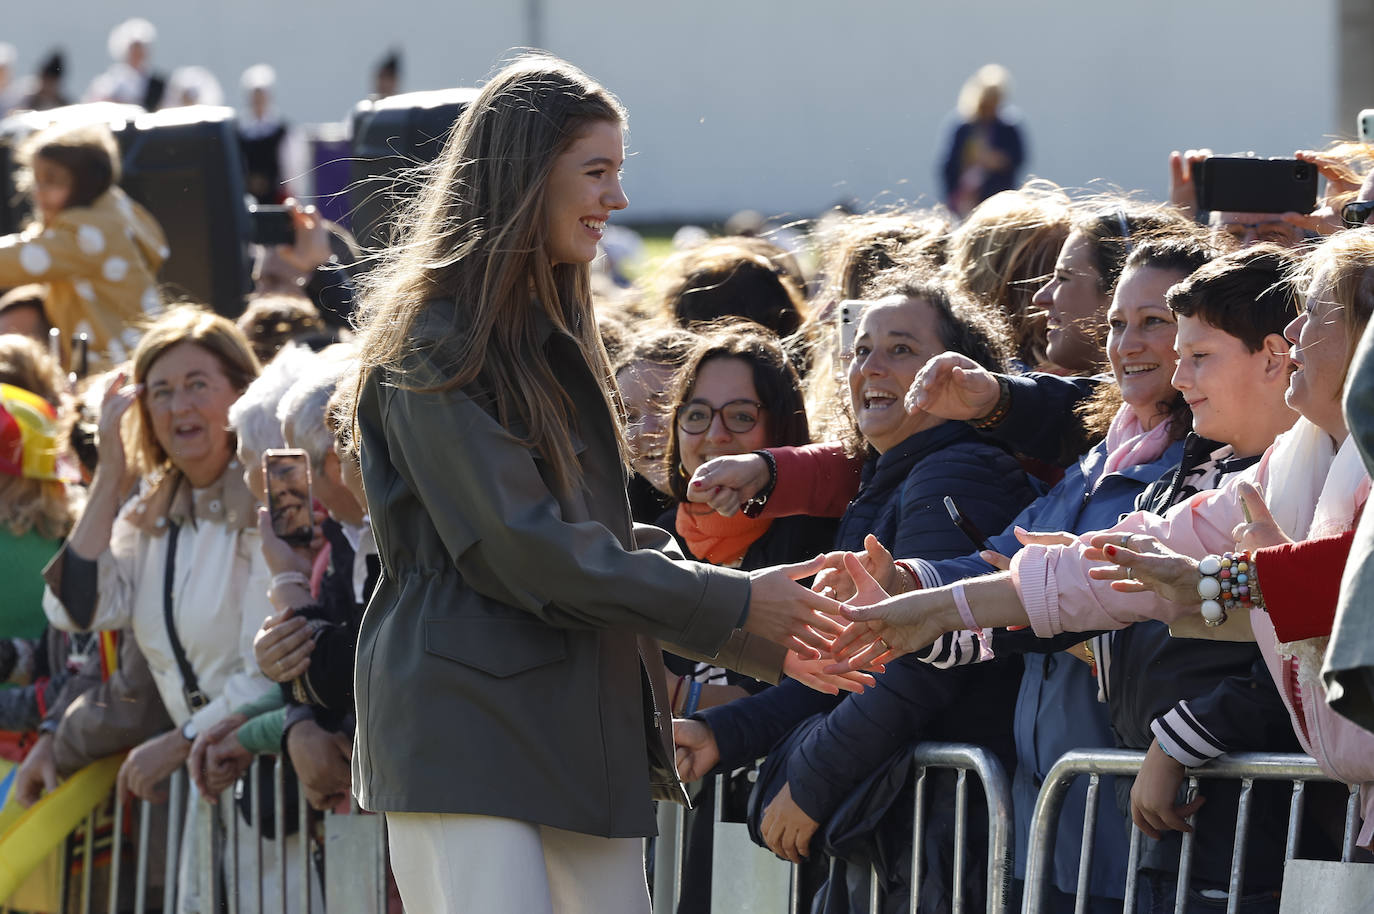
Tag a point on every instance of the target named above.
point(999, 412)
point(754, 506)
point(1227, 583)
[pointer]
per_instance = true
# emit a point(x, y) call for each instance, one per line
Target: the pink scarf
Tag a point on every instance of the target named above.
point(1129, 445)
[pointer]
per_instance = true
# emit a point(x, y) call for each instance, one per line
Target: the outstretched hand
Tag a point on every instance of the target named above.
point(1137, 563)
point(789, 614)
point(834, 579)
point(953, 386)
point(811, 672)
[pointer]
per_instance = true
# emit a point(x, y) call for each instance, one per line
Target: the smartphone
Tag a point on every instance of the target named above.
point(974, 535)
point(81, 355)
point(1242, 184)
point(850, 310)
point(272, 225)
point(1364, 125)
point(287, 473)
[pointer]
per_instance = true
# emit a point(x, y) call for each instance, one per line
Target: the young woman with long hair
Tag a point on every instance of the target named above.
point(510, 720)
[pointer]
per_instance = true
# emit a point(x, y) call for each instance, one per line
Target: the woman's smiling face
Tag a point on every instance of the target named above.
point(896, 337)
point(582, 191)
point(1140, 340)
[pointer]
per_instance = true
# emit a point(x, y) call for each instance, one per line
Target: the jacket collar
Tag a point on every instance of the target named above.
point(897, 462)
point(225, 501)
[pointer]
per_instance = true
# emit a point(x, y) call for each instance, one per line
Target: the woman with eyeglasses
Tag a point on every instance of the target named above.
point(736, 393)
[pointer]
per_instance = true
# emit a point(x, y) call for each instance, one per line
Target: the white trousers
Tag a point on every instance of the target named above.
point(460, 864)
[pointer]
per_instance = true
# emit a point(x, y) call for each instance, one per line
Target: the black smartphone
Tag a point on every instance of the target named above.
point(81, 355)
point(287, 472)
point(1240, 184)
point(974, 535)
point(272, 225)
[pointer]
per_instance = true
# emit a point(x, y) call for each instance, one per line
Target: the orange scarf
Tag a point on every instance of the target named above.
point(716, 539)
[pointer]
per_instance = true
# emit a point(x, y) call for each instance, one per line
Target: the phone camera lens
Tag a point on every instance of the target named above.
point(1300, 172)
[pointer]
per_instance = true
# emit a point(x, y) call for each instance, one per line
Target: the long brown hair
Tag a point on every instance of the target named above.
point(475, 233)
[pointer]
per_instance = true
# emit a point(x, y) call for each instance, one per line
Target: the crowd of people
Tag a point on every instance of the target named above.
point(1069, 473)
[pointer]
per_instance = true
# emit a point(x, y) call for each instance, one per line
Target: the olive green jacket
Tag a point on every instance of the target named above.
point(506, 663)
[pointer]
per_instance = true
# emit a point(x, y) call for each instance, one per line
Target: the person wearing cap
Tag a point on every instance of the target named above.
point(130, 79)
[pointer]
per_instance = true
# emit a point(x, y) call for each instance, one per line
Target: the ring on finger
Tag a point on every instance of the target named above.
point(1130, 574)
point(1125, 541)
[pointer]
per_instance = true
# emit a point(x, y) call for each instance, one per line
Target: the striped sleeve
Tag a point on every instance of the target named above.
point(1185, 738)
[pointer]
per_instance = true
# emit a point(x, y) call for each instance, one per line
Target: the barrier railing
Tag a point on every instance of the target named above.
point(1244, 767)
point(214, 861)
point(964, 759)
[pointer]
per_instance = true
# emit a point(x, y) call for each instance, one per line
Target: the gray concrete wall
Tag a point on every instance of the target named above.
point(789, 105)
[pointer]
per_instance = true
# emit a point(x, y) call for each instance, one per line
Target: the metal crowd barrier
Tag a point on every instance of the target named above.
point(342, 857)
point(963, 758)
point(1244, 767)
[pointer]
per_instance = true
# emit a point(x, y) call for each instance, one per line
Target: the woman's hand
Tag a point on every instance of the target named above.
point(696, 749)
point(150, 764)
point(1260, 530)
point(37, 774)
point(1137, 563)
point(283, 646)
point(834, 579)
point(953, 386)
point(810, 671)
point(1154, 793)
point(1340, 181)
point(786, 829)
point(280, 555)
point(883, 628)
point(112, 459)
point(322, 762)
point(726, 483)
point(1182, 188)
point(311, 248)
point(217, 758)
point(789, 614)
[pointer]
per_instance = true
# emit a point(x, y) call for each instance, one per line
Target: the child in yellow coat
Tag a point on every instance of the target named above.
point(95, 249)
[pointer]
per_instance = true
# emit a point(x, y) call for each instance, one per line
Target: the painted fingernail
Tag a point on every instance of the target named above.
point(1109, 549)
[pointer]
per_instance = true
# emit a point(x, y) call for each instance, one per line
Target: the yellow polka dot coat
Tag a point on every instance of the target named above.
point(100, 265)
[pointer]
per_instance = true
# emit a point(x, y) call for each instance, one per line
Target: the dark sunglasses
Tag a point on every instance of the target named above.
point(740, 416)
point(1355, 215)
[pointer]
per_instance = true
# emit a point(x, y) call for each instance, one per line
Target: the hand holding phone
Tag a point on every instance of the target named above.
point(289, 502)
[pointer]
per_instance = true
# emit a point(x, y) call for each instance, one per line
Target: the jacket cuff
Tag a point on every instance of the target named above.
point(1185, 738)
point(1301, 584)
point(1030, 573)
point(923, 572)
point(754, 656)
point(722, 608)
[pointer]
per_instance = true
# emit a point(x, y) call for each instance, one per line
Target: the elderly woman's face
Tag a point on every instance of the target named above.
point(188, 396)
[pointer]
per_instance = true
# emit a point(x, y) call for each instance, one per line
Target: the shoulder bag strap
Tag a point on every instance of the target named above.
point(190, 686)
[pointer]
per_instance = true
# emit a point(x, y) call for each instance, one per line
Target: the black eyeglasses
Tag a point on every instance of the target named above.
point(740, 416)
point(1355, 215)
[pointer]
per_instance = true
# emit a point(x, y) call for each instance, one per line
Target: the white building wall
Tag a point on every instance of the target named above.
point(786, 106)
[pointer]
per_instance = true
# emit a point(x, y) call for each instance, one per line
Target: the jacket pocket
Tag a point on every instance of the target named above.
point(497, 647)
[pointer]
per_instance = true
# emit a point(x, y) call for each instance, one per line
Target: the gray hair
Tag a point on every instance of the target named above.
point(301, 412)
point(254, 415)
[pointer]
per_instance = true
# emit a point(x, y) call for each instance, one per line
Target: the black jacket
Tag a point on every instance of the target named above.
point(1200, 699)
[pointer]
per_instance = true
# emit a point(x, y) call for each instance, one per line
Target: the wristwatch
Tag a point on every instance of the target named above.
point(188, 731)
